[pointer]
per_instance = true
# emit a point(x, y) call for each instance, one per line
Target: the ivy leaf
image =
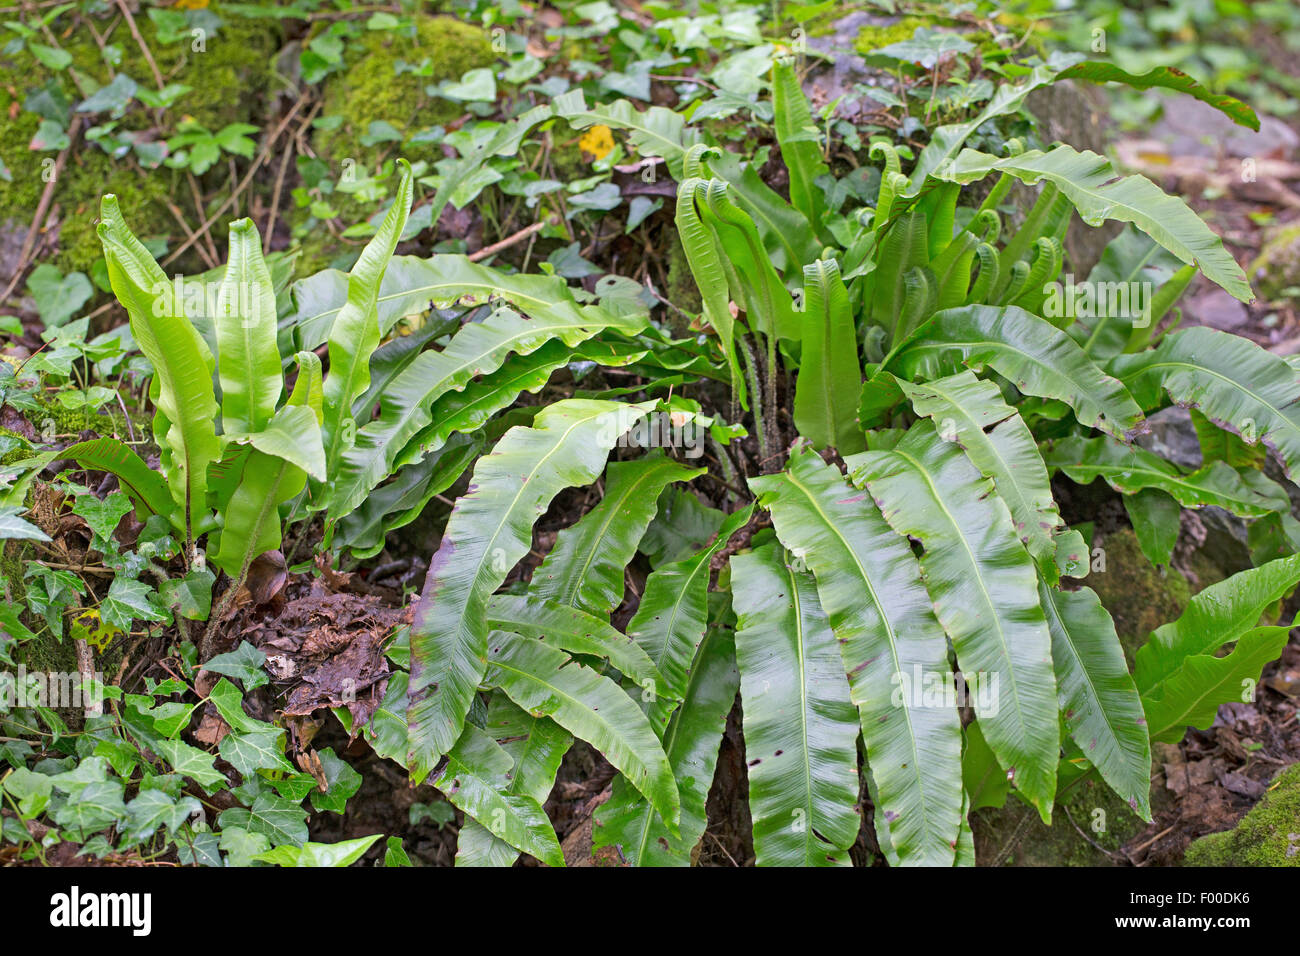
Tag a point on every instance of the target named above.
point(198, 849)
point(50, 136)
point(190, 596)
point(126, 601)
point(244, 664)
point(274, 817)
point(255, 750)
point(475, 86)
point(58, 297)
point(243, 846)
point(112, 98)
point(230, 705)
point(344, 853)
point(155, 808)
point(51, 57)
point(192, 762)
point(395, 854)
point(96, 807)
point(102, 514)
point(342, 782)
point(295, 788)
point(31, 790)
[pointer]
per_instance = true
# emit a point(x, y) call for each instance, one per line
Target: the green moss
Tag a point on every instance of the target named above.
point(1014, 834)
point(227, 80)
point(1268, 836)
point(873, 37)
point(89, 173)
point(143, 199)
point(370, 89)
point(71, 421)
point(13, 553)
point(1139, 596)
point(23, 450)
point(682, 290)
point(228, 77)
point(1277, 267)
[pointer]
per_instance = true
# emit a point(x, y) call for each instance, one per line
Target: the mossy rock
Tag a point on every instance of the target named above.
point(1269, 835)
point(1138, 595)
point(143, 199)
point(370, 89)
point(238, 58)
point(1277, 267)
point(227, 76)
point(874, 36)
point(88, 175)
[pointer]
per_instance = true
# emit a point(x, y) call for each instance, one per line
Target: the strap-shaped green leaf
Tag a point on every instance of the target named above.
point(798, 138)
point(1231, 380)
point(1163, 77)
point(476, 780)
point(252, 517)
point(671, 619)
point(801, 728)
point(1037, 357)
point(787, 234)
point(1092, 185)
point(536, 745)
point(185, 423)
point(1218, 614)
point(1191, 696)
point(870, 586)
point(1097, 696)
point(402, 500)
point(144, 486)
point(985, 592)
point(755, 284)
point(998, 443)
point(1130, 469)
point(945, 141)
point(691, 742)
point(273, 472)
point(354, 336)
point(248, 358)
point(902, 249)
point(585, 566)
point(469, 410)
point(577, 632)
point(702, 258)
point(830, 375)
point(546, 682)
point(477, 349)
point(489, 530)
point(1130, 260)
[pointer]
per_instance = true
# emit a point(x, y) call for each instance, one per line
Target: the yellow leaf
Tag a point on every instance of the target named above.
point(87, 626)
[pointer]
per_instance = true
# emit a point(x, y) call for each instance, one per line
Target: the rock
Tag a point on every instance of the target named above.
point(1139, 596)
point(1173, 437)
point(1191, 127)
point(1075, 113)
point(1216, 309)
point(1277, 268)
point(1227, 543)
point(1269, 835)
